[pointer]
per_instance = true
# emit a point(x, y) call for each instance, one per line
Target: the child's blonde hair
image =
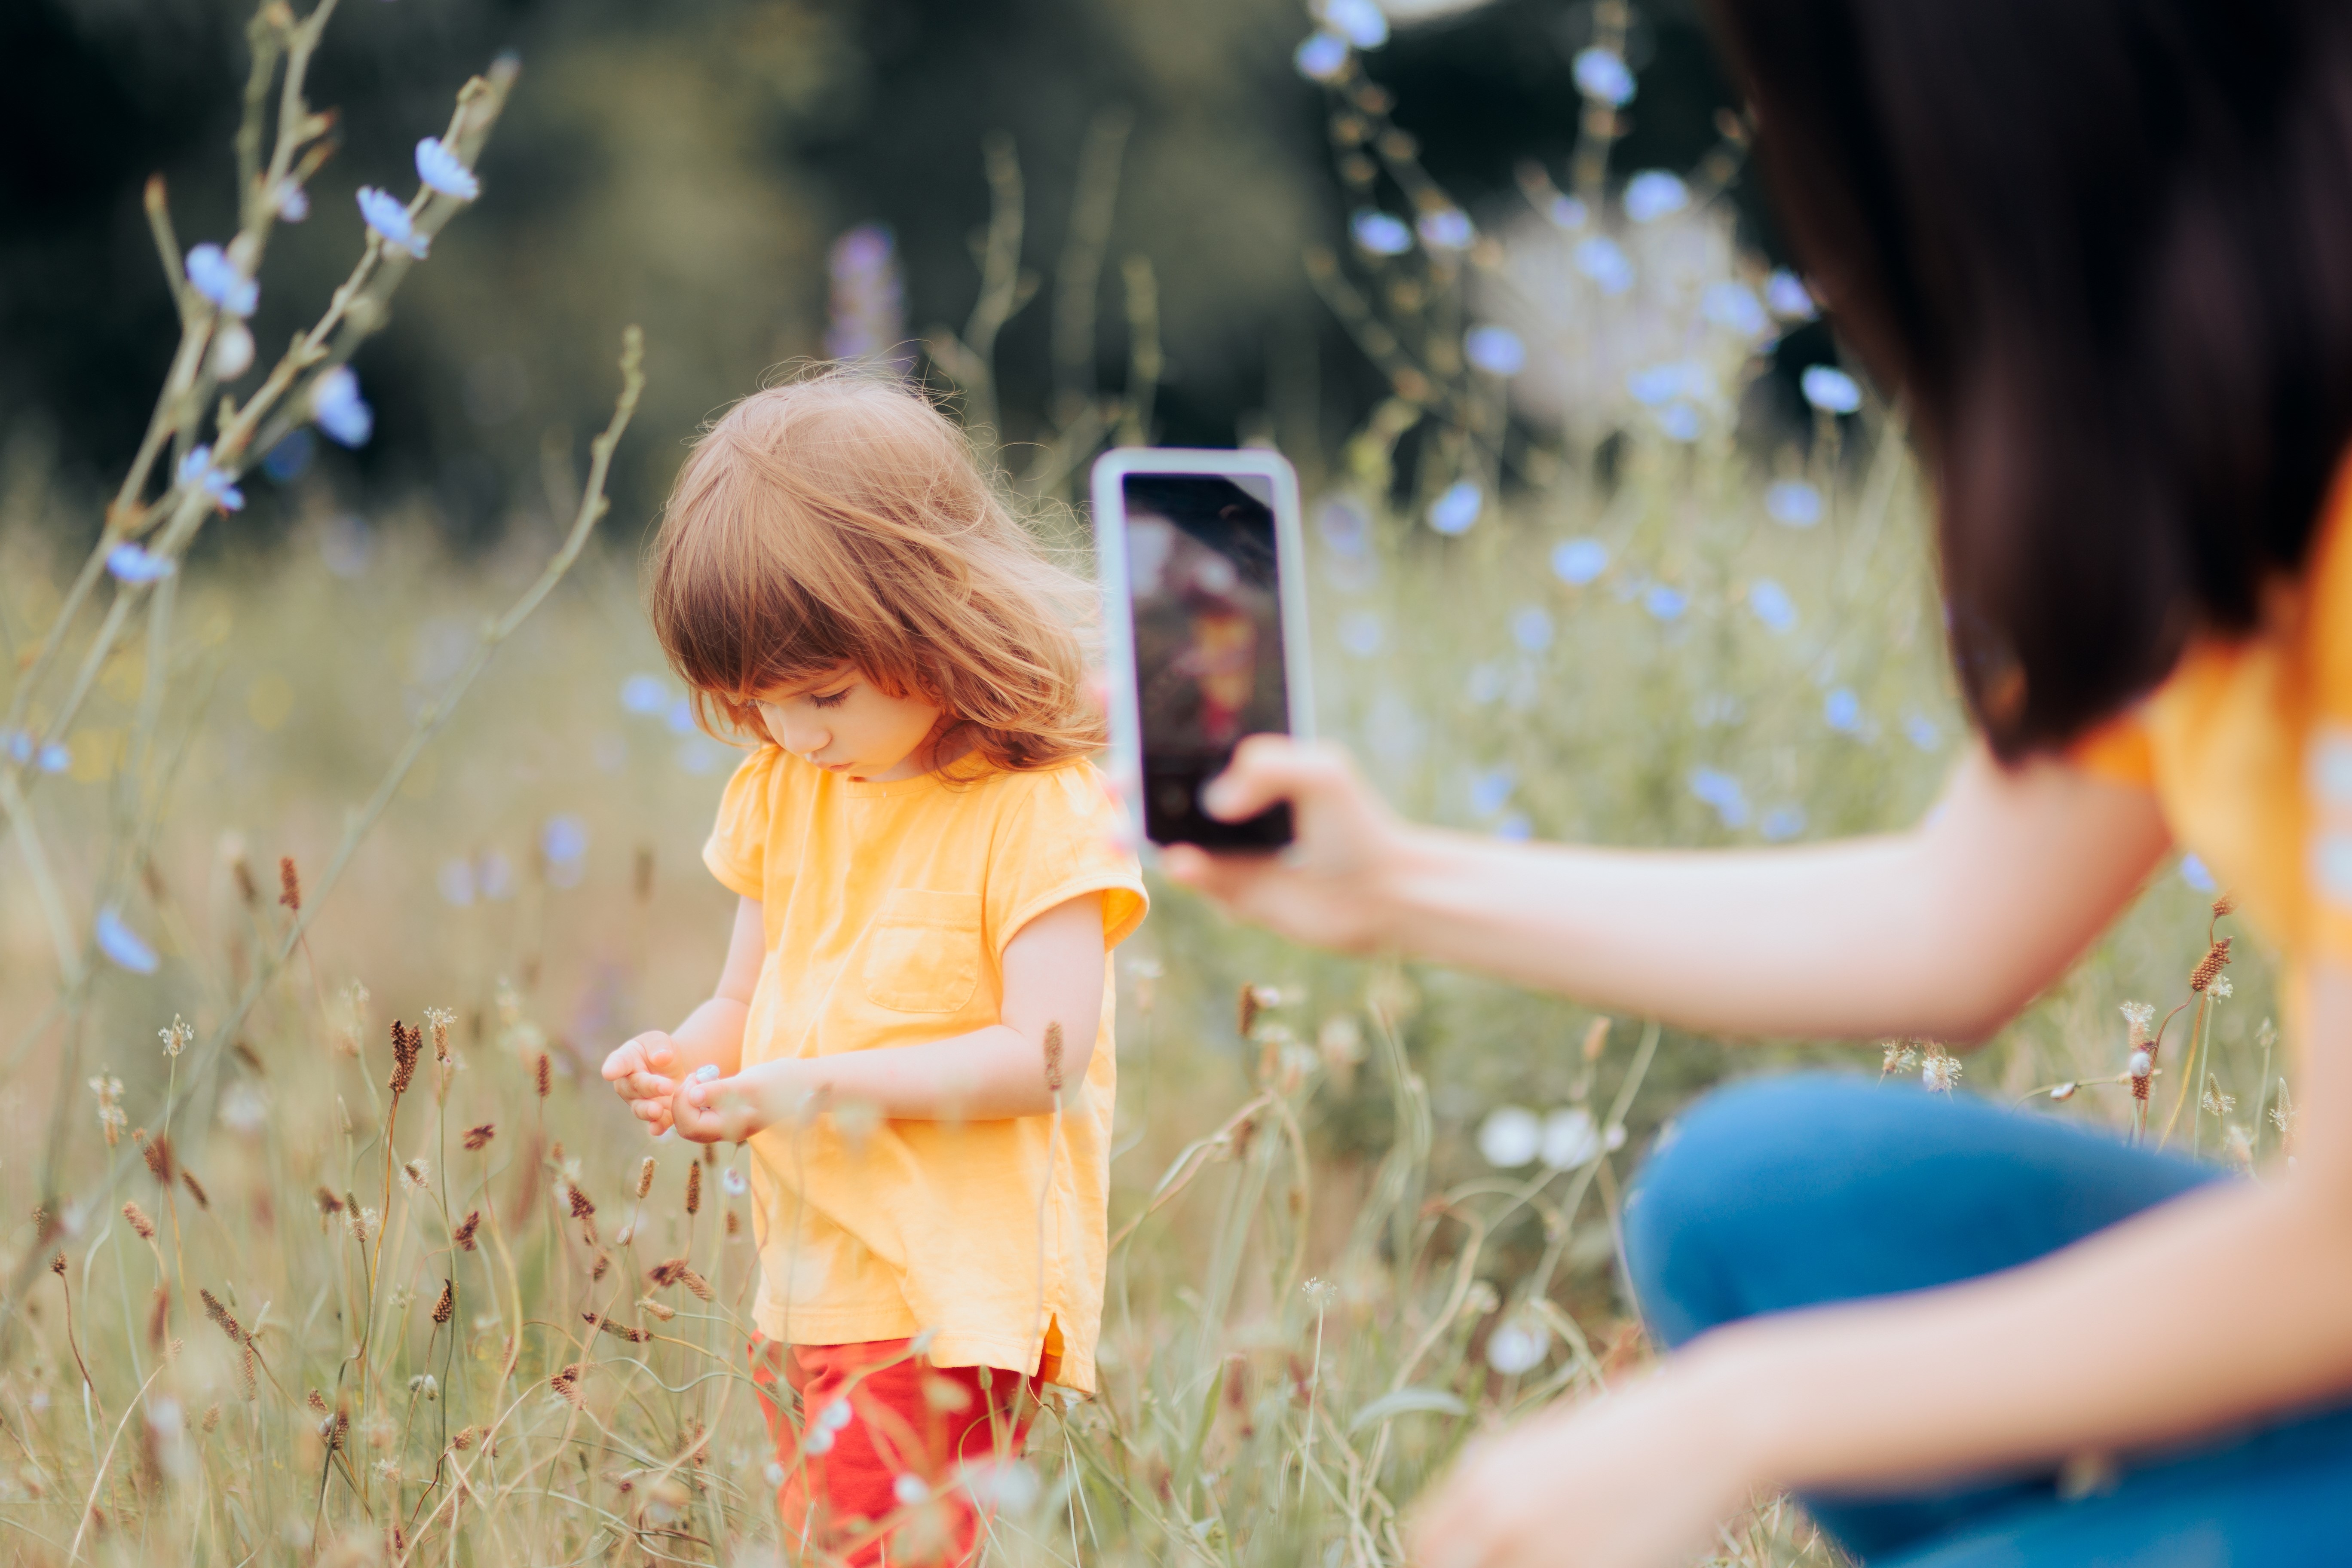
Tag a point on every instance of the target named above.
point(840, 519)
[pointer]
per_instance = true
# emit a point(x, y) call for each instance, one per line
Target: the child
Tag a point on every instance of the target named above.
point(913, 1027)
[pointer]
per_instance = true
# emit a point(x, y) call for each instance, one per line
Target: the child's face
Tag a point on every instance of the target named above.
point(843, 722)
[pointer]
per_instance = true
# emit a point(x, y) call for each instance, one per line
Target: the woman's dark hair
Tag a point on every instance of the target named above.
point(2103, 250)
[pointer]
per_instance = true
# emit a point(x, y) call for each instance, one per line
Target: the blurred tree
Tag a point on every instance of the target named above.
point(685, 167)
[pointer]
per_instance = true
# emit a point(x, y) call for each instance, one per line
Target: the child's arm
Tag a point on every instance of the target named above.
point(1053, 978)
point(648, 1071)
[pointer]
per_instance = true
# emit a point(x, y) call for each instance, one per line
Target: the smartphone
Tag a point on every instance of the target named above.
point(1204, 613)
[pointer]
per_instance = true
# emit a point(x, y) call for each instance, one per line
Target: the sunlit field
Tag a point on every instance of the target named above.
point(325, 1242)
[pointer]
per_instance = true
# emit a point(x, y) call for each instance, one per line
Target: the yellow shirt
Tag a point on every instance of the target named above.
point(2248, 747)
point(886, 909)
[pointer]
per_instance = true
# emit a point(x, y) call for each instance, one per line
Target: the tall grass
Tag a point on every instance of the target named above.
point(327, 1245)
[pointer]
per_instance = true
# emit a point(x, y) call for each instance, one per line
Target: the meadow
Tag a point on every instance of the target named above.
point(336, 866)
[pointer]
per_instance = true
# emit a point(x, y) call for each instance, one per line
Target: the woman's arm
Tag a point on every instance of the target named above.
point(1945, 931)
point(2223, 1306)
point(1052, 982)
point(647, 1070)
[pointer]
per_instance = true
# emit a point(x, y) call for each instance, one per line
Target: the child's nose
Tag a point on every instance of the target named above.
point(806, 739)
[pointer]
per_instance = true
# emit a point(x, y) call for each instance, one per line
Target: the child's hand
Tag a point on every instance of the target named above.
point(708, 1108)
point(638, 1073)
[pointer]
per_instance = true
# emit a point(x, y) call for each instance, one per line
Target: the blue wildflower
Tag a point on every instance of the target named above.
point(1830, 389)
point(1782, 824)
point(1567, 211)
point(1654, 386)
point(1531, 627)
point(1666, 604)
point(1723, 791)
point(680, 717)
point(55, 757)
point(643, 693)
point(293, 202)
point(1447, 229)
point(1321, 57)
point(1361, 22)
point(1842, 712)
point(438, 166)
point(213, 275)
point(1735, 308)
point(1654, 193)
point(1681, 422)
point(1381, 233)
point(2196, 874)
point(388, 216)
point(131, 562)
point(1577, 561)
point(1491, 790)
point(123, 945)
point(287, 460)
point(1454, 511)
point(219, 486)
point(1772, 606)
point(1515, 828)
point(1362, 634)
point(1922, 732)
point(1601, 74)
point(1497, 350)
point(1605, 261)
point(340, 411)
point(1793, 502)
point(563, 838)
point(1786, 295)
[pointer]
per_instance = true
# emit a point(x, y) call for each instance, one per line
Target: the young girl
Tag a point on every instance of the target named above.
point(913, 1027)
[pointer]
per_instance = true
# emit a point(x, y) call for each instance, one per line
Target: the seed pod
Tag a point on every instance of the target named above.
point(290, 884)
point(693, 1189)
point(139, 1221)
point(195, 1188)
point(464, 1235)
point(644, 1177)
point(447, 1307)
point(545, 1080)
point(477, 1138)
point(2210, 966)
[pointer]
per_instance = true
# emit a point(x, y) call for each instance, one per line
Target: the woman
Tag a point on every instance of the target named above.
point(2103, 251)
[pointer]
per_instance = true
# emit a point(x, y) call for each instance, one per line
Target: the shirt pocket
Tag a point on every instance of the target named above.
point(922, 953)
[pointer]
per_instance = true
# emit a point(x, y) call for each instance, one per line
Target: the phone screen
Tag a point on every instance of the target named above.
point(1205, 600)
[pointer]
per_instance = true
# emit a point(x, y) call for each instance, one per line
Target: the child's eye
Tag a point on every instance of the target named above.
point(832, 700)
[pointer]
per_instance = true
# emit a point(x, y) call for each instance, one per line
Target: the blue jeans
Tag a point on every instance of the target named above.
point(1794, 1192)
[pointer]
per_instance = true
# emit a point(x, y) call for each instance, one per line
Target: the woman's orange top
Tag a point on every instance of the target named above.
point(2247, 746)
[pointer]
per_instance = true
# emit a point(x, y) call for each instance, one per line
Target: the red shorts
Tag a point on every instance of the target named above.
point(882, 1446)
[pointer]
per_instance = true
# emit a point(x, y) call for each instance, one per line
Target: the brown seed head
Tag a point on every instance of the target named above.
point(407, 1045)
point(646, 1168)
point(2223, 905)
point(1596, 1038)
point(195, 1188)
point(545, 1080)
point(158, 1153)
point(329, 1204)
point(667, 1272)
point(139, 1221)
point(654, 1308)
point(580, 1207)
point(464, 1235)
point(1054, 1059)
point(693, 1189)
point(58, 1266)
point(597, 1321)
point(317, 1402)
point(447, 1307)
point(566, 1384)
point(1250, 1001)
point(478, 1137)
point(290, 884)
point(245, 888)
point(222, 1316)
point(604, 1264)
point(2215, 960)
point(463, 1440)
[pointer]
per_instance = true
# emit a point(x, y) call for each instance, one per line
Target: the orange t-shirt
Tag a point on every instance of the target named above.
point(887, 909)
point(2248, 747)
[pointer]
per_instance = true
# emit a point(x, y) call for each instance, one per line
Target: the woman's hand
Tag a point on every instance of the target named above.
point(1329, 888)
point(639, 1073)
point(1636, 1480)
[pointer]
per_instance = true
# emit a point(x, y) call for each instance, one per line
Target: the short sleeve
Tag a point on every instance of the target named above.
point(2327, 742)
point(737, 852)
point(1058, 838)
point(2117, 751)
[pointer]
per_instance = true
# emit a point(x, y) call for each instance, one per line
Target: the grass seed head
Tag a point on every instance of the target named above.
point(693, 1189)
point(158, 1153)
point(290, 884)
point(543, 1075)
point(139, 1221)
point(2210, 967)
point(645, 1169)
point(478, 1138)
point(447, 1307)
point(195, 1188)
point(464, 1235)
point(407, 1045)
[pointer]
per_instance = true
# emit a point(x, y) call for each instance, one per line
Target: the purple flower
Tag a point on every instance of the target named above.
point(122, 944)
point(388, 216)
point(1497, 350)
point(131, 562)
point(1457, 509)
point(341, 413)
point(1654, 194)
point(211, 274)
point(1601, 74)
point(1381, 233)
point(1830, 389)
point(217, 484)
point(1321, 57)
point(439, 167)
point(1577, 561)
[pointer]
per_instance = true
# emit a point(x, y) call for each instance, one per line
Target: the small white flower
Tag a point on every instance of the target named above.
point(2221, 986)
point(340, 410)
point(1793, 503)
point(1383, 234)
point(818, 1441)
point(1497, 350)
point(130, 562)
point(1361, 22)
point(1518, 1345)
point(1510, 1137)
point(198, 470)
point(232, 351)
point(1569, 1139)
point(1447, 229)
point(909, 1489)
point(1654, 193)
point(440, 170)
point(835, 1416)
point(1605, 261)
point(1456, 510)
point(732, 1181)
point(1321, 57)
point(1830, 389)
point(1601, 74)
point(2138, 1015)
point(388, 215)
point(1786, 296)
